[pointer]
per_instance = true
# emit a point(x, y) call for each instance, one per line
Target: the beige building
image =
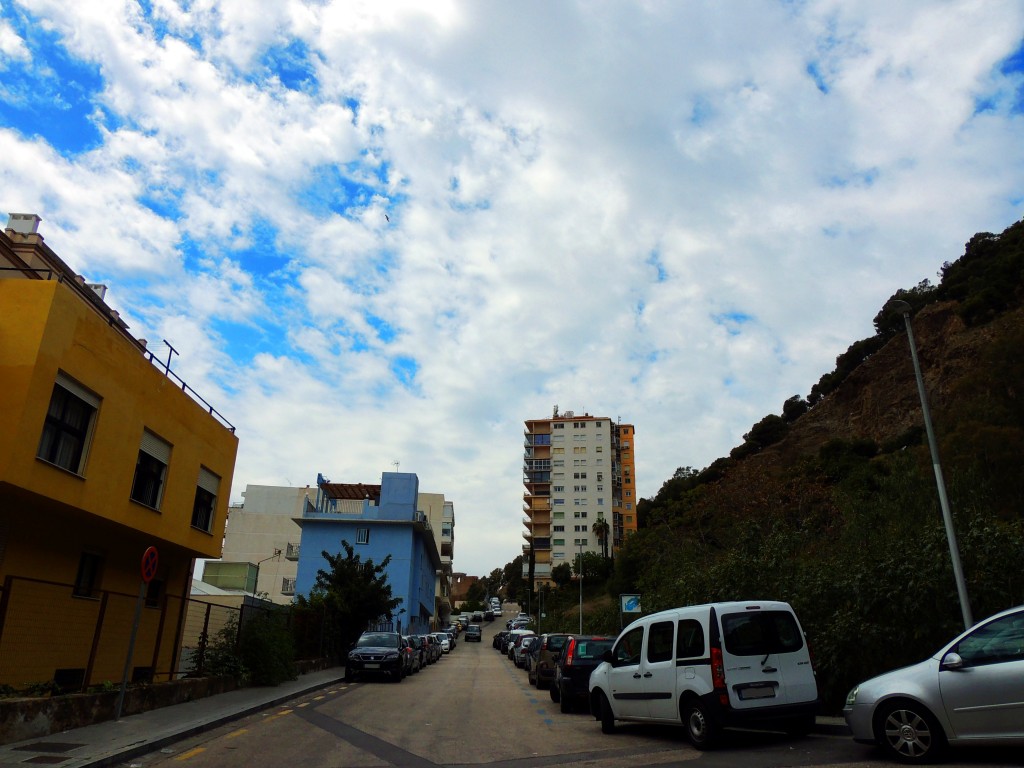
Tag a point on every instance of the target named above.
point(580, 475)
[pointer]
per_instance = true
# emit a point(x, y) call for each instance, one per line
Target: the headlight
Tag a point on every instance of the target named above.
point(391, 655)
point(851, 697)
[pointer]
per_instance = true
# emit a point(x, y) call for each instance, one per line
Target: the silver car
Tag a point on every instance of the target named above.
point(970, 692)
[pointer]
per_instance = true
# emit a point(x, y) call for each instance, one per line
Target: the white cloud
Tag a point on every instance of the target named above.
point(669, 213)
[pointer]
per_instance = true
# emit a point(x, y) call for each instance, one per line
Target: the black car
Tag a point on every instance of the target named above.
point(580, 655)
point(377, 653)
point(499, 638)
point(473, 633)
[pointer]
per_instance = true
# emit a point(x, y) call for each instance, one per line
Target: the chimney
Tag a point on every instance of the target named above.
point(23, 223)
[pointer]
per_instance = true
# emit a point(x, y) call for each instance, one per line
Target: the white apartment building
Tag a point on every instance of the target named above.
point(573, 475)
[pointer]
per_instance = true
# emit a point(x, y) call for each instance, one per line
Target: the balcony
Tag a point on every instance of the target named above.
point(540, 570)
point(287, 586)
point(541, 542)
point(291, 552)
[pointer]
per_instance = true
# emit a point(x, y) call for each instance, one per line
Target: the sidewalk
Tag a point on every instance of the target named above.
point(114, 742)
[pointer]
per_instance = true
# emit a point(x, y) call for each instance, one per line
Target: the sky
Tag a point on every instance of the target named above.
point(384, 234)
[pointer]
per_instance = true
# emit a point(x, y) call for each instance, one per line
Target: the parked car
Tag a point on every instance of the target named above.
point(377, 653)
point(424, 645)
point(414, 653)
point(715, 665)
point(476, 617)
point(488, 615)
point(434, 648)
point(521, 650)
point(474, 633)
point(443, 639)
point(512, 639)
point(581, 656)
point(970, 692)
point(499, 638)
point(451, 639)
point(545, 654)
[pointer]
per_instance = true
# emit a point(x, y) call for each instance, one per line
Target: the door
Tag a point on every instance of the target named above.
point(658, 671)
point(625, 682)
point(985, 697)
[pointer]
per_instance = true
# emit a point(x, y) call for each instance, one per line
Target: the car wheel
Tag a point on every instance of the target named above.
point(700, 728)
point(909, 732)
point(604, 713)
point(554, 693)
point(398, 676)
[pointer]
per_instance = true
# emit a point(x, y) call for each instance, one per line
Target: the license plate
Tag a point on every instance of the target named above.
point(757, 692)
point(372, 666)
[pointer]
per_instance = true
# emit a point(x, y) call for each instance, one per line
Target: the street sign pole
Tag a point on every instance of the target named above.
point(149, 563)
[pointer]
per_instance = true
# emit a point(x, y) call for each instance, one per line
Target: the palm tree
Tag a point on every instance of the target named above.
point(602, 529)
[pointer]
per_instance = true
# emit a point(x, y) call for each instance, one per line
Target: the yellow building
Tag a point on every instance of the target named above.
point(104, 453)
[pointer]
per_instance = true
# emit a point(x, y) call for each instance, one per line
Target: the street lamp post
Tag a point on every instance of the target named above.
point(954, 552)
point(580, 542)
point(256, 585)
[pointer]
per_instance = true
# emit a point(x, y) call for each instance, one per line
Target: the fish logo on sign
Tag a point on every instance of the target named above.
point(631, 604)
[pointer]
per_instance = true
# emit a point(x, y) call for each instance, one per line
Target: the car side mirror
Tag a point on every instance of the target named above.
point(607, 656)
point(952, 661)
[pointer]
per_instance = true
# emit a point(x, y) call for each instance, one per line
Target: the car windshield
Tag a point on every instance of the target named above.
point(376, 640)
point(557, 642)
point(761, 632)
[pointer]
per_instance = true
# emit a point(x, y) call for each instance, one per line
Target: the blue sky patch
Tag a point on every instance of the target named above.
point(55, 100)
point(654, 260)
point(1013, 67)
point(291, 65)
point(733, 322)
point(404, 369)
point(385, 331)
point(814, 71)
point(329, 191)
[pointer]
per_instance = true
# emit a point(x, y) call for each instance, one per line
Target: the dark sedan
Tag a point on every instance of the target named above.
point(581, 654)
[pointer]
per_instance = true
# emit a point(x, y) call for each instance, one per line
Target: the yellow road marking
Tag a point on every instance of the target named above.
point(190, 753)
point(304, 704)
point(236, 734)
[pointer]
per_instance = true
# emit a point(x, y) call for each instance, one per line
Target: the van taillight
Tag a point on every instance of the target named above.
point(568, 653)
point(718, 675)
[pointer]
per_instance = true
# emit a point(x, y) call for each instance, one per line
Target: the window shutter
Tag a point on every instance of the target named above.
point(156, 447)
point(78, 390)
point(208, 481)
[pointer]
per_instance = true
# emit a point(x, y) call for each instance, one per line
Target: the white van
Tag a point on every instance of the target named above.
point(709, 666)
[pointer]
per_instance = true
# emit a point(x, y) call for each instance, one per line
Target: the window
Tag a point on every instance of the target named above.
point(558, 501)
point(577, 502)
point(87, 580)
point(559, 425)
point(150, 469)
point(579, 449)
point(627, 649)
point(578, 542)
point(362, 536)
point(206, 500)
point(558, 450)
point(690, 642)
point(559, 542)
point(659, 641)
point(599, 449)
point(629, 506)
point(600, 502)
point(558, 439)
point(600, 476)
point(580, 529)
point(559, 528)
point(625, 444)
point(761, 633)
point(598, 424)
point(580, 488)
point(600, 488)
point(558, 488)
point(629, 494)
point(629, 518)
point(287, 586)
point(558, 515)
point(558, 555)
point(558, 463)
point(68, 425)
point(998, 641)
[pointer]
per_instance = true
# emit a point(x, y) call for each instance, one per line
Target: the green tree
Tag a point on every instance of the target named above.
point(561, 574)
point(351, 592)
point(602, 530)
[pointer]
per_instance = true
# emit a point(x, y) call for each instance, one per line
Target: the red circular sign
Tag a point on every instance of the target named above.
point(149, 560)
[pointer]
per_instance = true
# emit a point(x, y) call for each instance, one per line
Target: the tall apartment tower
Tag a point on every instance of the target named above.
point(580, 476)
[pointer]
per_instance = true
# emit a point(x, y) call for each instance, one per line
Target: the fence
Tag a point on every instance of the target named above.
point(51, 639)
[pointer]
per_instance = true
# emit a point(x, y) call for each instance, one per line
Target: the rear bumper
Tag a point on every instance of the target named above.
point(728, 716)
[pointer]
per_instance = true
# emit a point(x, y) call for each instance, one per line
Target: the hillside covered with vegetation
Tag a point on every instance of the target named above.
point(832, 504)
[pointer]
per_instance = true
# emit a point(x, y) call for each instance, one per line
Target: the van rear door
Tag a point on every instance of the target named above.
point(767, 662)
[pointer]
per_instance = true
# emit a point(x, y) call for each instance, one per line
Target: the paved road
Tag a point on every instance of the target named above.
point(475, 708)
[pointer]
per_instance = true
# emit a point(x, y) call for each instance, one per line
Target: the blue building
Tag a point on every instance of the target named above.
point(377, 520)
